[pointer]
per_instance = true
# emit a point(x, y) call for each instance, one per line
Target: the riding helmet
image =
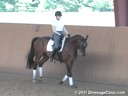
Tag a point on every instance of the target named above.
point(58, 13)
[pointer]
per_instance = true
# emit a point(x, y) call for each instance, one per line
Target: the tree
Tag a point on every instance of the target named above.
point(2, 6)
point(64, 5)
point(75, 5)
point(51, 5)
point(16, 6)
point(102, 5)
point(72, 6)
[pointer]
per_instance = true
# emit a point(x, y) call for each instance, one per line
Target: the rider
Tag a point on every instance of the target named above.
point(58, 32)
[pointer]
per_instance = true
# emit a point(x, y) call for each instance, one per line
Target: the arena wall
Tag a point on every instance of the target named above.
point(106, 59)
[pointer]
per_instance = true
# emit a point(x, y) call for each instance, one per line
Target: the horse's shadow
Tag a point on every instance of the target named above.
point(91, 63)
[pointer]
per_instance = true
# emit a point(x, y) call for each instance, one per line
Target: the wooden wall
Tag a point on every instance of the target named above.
point(106, 60)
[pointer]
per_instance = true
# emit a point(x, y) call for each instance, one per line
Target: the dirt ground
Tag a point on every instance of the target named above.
point(22, 85)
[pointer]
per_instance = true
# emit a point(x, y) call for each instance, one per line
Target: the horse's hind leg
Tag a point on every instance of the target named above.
point(34, 72)
point(42, 61)
point(34, 68)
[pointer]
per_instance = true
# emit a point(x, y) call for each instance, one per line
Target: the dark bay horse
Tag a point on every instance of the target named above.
point(38, 55)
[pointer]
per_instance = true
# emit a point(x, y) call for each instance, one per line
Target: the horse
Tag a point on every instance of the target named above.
point(38, 55)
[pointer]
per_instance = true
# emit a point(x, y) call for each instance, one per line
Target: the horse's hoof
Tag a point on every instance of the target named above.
point(40, 79)
point(34, 81)
point(54, 61)
point(61, 82)
point(51, 60)
point(73, 86)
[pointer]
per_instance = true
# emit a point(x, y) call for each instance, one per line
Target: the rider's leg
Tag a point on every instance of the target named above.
point(57, 44)
point(60, 57)
point(53, 54)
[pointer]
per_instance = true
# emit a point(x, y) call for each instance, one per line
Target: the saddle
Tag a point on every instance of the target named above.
point(51, 45)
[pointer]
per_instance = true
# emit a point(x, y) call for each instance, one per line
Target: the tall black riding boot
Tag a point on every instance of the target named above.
point(53, 54)
point(59, 54)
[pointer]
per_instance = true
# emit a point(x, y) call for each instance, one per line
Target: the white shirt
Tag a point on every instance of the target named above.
point(58, 25)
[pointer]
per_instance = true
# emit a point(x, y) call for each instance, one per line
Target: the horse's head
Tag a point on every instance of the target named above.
point(83, 45)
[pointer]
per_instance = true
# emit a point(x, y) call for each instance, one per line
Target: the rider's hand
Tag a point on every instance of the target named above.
point(61, 36)
point(68, 35)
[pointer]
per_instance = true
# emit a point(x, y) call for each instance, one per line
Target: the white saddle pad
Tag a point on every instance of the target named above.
point(51, 42)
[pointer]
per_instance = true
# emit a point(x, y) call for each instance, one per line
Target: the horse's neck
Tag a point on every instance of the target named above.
point(75, 43)
point(75, 46)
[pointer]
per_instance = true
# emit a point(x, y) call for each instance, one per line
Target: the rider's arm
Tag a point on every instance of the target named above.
point(65, 30)
point(54, 30)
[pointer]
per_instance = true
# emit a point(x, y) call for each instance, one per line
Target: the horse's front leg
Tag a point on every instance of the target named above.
point(69, 76)
point(71, 82)
point(63, 79)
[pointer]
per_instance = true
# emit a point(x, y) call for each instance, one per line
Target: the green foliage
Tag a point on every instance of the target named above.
point(18, 6)
point(51, 5)
point(2, 6)
point(23, 7)
point(75, 5)
point(70, 6)
point(101, 5)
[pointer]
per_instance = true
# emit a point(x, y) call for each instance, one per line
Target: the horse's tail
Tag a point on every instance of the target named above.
point(31, 54)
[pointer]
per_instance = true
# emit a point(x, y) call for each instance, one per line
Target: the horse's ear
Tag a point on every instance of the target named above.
point(86, 37)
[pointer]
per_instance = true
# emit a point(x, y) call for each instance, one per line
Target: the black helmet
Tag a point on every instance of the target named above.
point(58, 13)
